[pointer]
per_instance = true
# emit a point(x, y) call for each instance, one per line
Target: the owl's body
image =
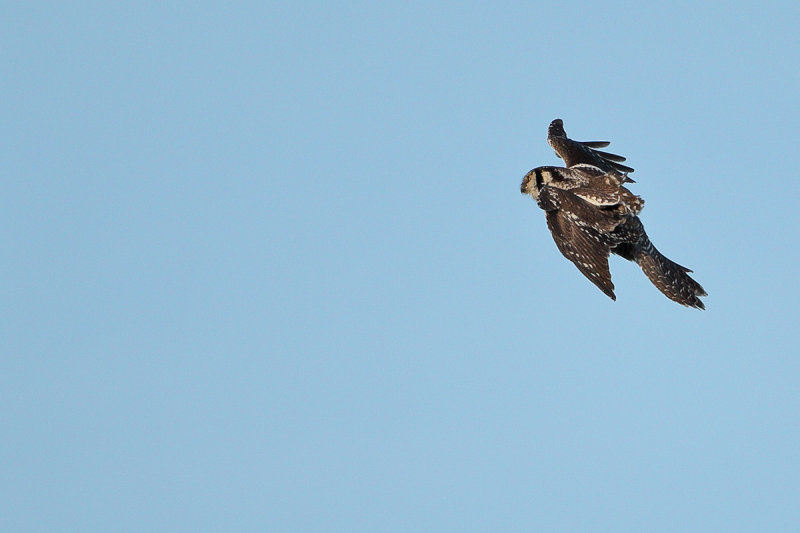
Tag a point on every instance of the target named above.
point(591, 214)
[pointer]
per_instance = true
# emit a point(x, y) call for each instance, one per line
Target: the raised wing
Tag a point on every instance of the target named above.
point(583, 152)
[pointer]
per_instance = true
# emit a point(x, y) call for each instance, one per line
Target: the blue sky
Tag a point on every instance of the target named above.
point(267, 268)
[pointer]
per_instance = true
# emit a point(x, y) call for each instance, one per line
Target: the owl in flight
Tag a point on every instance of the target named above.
point(591, 214)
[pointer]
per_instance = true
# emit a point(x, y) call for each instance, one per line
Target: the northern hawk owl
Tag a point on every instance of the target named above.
point(591, 214)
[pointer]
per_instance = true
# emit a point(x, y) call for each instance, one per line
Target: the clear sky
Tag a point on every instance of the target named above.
point(266, 267)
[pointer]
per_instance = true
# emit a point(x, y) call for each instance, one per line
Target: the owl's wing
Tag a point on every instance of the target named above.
point(600, 188)
point(578, 237)
point(577, 152)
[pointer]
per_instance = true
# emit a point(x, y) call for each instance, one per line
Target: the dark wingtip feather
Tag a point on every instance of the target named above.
point(556, 129)
point(610, 157)
point(595, 144)
point(621, 168)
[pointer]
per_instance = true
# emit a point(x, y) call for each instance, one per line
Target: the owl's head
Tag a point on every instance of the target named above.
point(535, 180)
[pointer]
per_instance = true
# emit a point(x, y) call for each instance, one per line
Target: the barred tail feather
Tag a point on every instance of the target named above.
point(670, 278)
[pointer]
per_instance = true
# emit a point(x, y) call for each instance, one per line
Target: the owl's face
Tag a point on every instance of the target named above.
point(529, 184)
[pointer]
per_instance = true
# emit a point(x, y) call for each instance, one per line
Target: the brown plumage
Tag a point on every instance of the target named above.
point(591, 215)
point(583, 152)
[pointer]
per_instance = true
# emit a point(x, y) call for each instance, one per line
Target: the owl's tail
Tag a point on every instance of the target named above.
point(669, 277)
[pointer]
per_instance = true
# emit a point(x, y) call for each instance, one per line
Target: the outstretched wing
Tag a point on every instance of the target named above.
point(577, 152)
point(575, 229)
